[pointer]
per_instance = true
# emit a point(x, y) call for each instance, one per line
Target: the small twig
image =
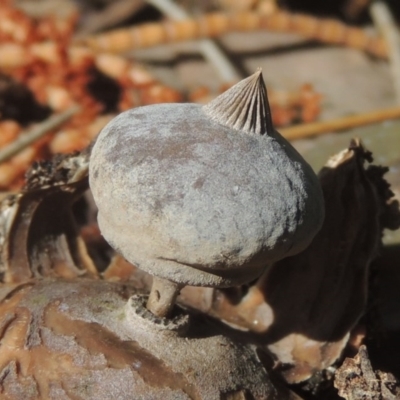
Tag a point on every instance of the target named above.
point(216, 24)
point(210, 25)
point(380, 14)
point(208, 48)
point(26, 139)
point(339, 124)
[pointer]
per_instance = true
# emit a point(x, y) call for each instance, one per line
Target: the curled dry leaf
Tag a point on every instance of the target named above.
point(304, 306)
point(38, 236)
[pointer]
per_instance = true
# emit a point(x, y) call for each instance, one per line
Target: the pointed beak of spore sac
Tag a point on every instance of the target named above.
point(244, 107)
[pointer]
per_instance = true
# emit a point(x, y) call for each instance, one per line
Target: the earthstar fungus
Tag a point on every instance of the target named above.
point(203, 195)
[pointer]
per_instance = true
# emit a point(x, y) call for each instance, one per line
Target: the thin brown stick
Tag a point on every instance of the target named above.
point(339, 124)
point(26, 139)
point(215, 24)
point(209, 25)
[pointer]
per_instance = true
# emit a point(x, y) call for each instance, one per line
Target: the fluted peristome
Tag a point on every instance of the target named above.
point(244, 107)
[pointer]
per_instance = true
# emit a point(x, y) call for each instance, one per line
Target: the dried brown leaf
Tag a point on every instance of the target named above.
point(38, 234)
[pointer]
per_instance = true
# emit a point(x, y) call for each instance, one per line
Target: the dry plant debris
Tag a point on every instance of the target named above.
point(32, 244)
point(356, 379)
point(41, 72)
point(214, 24)
point(339, 124)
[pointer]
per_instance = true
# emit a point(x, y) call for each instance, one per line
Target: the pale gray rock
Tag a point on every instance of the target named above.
point(190, 200)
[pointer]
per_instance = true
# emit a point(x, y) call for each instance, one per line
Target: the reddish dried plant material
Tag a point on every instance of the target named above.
point(9, 131)
point(61, 75)
point(20, 28)
point(54, 79)
point(287, 107)
point(309, 103)
point(15, 26)
point(201, 95)
point(12, 171)
point(159, 94)
point(59, 30)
